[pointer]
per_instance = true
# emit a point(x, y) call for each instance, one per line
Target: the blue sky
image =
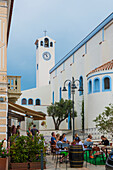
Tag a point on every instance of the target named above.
point(67, 22)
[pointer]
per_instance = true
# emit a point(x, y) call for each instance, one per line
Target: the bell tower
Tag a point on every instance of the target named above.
point(45, 59)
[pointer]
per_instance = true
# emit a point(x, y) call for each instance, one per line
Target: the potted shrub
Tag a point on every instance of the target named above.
point(35, 145)
point(26, 152)
point(4, 153)
point(19, 153)
point(43, 123)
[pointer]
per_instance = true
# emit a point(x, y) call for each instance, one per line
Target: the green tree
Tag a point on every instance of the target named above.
point(59, 111)
point(104, 121)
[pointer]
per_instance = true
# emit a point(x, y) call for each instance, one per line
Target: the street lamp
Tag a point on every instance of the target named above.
point(73, 87)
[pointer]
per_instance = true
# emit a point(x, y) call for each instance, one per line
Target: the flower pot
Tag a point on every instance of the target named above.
point(19, 166)
point(37, 165)
point(3, 163)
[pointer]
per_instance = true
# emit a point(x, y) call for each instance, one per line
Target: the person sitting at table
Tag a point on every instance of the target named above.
point(64, 138)
point(53, 141)
point(76, 135)
point(88, 142)
point(77, 141)
point(61, 151)
point(53, 138)
point(89, 139)
point(104, 142)
point(57, 137)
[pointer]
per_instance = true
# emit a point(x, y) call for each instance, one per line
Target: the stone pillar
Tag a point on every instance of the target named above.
point(3, 71)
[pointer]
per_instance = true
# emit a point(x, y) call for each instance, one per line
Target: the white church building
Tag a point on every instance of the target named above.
point(91, 62)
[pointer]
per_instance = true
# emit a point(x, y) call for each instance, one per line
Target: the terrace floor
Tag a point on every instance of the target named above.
point(51, 165)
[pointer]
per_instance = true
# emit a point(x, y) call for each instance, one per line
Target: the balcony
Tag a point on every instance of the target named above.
point(14, 88)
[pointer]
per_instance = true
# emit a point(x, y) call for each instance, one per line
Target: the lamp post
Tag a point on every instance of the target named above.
point(73, 87)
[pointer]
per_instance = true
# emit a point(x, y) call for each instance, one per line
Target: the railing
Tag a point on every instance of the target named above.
point(14, 84)
point(93, 131)
point(14, 87)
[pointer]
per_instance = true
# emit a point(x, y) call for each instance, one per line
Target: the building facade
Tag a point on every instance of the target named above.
point(91, 63)
point(6, 7)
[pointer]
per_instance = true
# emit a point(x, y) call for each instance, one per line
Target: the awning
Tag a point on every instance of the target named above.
point(28, 112)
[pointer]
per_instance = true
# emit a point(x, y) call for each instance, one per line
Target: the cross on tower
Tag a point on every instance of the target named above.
point(45, 32)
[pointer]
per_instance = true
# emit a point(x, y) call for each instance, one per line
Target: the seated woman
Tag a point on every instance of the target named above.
point(57, 137)
point(61, 149)
point(77, 141)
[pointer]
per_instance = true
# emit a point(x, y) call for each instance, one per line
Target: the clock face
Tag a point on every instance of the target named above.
point(46, 56)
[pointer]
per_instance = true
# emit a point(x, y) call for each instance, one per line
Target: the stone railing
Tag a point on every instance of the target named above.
point(14, 87)
point(93, 131)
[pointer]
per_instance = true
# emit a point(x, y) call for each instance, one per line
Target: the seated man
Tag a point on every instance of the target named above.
point(104, 142)
point(89, 139)
point(88, 142)
point(53, 138)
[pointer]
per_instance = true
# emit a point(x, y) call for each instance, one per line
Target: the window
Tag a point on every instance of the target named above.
point(60, 92)
point(51, 44)
point(36, 45)
point(89, 87)
point(24, 101)
point(37, 66)
point(37, 102)
point(81, 85)
point(41, 43)
point(30, 101)
point(106, 83)
point(96, 87)
point(46, 42)
point(69, 90)
point(53, 97)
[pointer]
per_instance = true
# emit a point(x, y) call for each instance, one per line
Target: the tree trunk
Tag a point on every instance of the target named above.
point(56, 127)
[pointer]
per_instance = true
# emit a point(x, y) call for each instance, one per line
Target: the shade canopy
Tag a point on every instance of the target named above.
point(36, 115)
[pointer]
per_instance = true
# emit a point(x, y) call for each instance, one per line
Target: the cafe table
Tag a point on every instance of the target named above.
point(106, 148)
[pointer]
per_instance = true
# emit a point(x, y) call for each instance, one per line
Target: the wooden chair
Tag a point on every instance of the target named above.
point(98, 153)
point(53, 149)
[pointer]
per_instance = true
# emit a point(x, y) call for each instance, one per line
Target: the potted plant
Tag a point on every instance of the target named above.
point(35, 145)
point(43, 123)
point(19, 153)
point(4, 153)
point(26, 152)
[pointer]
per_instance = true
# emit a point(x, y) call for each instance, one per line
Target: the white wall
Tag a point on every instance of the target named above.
point(98, 53)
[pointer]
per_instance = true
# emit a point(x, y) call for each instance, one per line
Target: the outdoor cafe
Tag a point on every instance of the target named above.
point(76, 153)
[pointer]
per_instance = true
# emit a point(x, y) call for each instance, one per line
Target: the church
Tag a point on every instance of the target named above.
point(90, 62)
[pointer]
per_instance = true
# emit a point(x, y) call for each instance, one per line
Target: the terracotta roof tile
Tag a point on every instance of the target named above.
point(106, 66)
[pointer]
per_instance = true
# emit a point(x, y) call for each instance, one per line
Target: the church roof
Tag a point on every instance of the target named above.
point(85, 40)
point(106, 66)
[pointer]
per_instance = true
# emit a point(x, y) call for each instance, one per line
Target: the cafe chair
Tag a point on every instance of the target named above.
point(98, 154)
point(53, 150)
point(59, 153)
